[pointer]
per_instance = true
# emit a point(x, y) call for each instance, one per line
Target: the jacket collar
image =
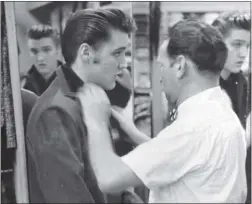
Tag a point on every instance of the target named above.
point(69, 81)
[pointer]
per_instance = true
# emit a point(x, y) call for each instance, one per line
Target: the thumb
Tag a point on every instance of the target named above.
point(116, 114)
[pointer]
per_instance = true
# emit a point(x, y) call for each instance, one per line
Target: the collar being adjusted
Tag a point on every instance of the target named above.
point(73, 81)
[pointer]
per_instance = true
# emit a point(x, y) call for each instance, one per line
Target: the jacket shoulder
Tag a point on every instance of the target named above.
point(54, 98)
point(69, 104)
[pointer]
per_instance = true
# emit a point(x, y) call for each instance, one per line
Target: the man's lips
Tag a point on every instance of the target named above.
point(42, 65)
point(240, 63)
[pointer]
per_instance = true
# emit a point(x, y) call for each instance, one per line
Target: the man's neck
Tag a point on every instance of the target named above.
point(197, 87)
point(225, 74)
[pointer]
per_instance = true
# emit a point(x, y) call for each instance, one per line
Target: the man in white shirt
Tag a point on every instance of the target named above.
point(198, 158)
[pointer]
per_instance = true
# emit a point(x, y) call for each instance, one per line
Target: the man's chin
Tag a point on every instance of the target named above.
point(236, 70)
point(111, 87)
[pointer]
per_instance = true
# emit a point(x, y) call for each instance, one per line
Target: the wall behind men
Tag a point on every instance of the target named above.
point(24, 20)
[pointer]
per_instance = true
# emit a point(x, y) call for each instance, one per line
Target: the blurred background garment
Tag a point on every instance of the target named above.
point(8, 130)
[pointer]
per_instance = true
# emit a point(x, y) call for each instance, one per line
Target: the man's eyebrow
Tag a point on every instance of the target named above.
point(119, 49)
point(46, 46)
point(239, 40)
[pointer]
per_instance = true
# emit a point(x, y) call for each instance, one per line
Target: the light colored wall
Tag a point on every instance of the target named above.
point(24, 20)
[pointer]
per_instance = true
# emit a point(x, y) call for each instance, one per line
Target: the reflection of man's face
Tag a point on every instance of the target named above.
point(237, 41)
point(111, 58)
point(44, 54)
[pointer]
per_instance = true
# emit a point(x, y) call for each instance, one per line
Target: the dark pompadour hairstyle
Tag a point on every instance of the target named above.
point(92, 26)
point(234, 19)
point(200, 42)
point(37, 32)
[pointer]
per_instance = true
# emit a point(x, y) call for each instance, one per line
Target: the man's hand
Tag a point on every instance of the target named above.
point(125, 123)
point(129, 128)
point(95, 104)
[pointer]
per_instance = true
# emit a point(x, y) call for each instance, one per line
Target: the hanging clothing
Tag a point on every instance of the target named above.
point(8, 130)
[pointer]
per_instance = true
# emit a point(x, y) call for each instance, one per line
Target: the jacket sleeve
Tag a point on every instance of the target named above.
point(58, 159)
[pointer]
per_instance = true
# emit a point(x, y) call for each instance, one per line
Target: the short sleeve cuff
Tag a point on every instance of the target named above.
point(134, 163)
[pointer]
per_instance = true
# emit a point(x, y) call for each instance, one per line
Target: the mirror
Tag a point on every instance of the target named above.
point(172, 12)
point(34, 79)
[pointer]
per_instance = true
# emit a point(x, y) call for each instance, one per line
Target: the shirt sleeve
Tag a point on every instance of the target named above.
point(166, 158)
point(57, 155)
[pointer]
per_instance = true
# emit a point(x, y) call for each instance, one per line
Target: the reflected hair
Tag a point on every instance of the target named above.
point(92, 26)
point(37, 32)
point(233, 19)
point(200, 42)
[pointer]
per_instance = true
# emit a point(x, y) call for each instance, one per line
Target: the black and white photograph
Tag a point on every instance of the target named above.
point(126, 102)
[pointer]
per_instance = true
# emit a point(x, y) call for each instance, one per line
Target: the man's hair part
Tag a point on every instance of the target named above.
point(201, 42)
point(232, 20)
point(92, 26)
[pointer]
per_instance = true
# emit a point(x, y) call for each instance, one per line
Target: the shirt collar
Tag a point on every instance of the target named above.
point(194, 101)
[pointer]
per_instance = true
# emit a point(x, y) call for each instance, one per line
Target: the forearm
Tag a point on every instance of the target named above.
point(137, 137)
point(112, 174)
point(101, 153)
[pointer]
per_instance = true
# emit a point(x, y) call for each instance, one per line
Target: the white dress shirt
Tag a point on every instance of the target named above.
point(198, 158)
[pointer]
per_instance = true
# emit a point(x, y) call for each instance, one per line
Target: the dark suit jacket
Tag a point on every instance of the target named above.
point(35, 81)
point(58, 166)
point(236, 87)
point(28, 101)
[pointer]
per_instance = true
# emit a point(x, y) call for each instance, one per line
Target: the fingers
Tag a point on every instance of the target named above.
point(116, 114)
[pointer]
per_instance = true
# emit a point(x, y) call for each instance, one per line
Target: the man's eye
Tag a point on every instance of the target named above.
point(46, 49)
point(237, 45)
point(34, 52)
point(117, 54)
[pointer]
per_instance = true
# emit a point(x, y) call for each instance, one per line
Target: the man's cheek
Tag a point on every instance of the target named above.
point(51, 53)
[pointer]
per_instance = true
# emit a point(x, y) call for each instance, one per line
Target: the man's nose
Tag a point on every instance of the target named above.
point(243, 52)
point(40, 57)
point(122, 60)
point(121, 68)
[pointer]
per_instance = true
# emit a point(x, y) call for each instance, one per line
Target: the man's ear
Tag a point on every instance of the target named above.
point(85, 52)
point(180, 66)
